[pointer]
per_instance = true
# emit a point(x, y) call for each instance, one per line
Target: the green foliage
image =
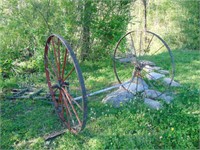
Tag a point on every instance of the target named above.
point(6, 67)
point(176, 21)
point(108, 28)
point(24, 28)
point(91, 27)
point(8, 84)
point(189, 22)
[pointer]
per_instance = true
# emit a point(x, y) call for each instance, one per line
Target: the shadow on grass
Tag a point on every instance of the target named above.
point(134, 125)
point(25, 122)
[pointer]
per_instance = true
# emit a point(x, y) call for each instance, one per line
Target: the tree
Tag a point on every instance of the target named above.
point(91, 27)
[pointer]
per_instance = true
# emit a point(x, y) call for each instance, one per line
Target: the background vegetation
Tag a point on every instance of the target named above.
point(93, 28)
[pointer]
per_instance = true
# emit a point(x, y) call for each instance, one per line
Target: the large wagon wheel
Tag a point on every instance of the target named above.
point(135, 57)
point(65, 81)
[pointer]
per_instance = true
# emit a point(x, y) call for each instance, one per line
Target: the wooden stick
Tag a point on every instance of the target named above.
point(19, 93)
point(36, 93)
point(54, 134)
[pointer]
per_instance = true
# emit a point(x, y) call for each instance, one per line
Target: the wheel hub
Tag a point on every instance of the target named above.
point(60, 84)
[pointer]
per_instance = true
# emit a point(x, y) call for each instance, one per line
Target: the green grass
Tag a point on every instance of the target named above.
point(24, 123)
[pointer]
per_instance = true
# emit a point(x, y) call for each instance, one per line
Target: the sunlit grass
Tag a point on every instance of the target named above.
point(24, 123)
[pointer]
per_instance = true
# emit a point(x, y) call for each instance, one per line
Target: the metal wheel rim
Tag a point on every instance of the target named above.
point(61, 87)
point(165, 45)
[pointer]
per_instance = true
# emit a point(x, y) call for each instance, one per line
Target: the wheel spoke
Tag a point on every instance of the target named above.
point(60, 63)
point(129, 84)
point(128, 73)
point(68, 112)
point(64, 64)
point(53, 65)
point(151, 86)
point(144, 46)
point(54, 98)
point(75, 102)
point(69, 73)
point(153, 78)
point(149, 43)
point(56, 57)
point(140, 46)
point(51, 76)
point(72, 106)
point(133, 46)
point(158, 49)
point(60, 101)
point(144, 87)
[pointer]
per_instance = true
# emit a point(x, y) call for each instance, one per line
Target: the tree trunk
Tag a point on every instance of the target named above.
point(86, 21)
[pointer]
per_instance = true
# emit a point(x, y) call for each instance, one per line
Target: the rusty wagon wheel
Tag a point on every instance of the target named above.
point(138, 58)
point(65, 82)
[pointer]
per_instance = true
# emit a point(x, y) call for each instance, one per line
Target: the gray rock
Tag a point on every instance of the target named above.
point(127, 59)
point(136, 85)
point(139, 80)
point(147, 63)
point(152, 103)
point(152, 67)
point(154, 76)
point(173, 83)
point(166, 98)
point(163, 72)
point(148, 68)
point(118, 97)
point(151, 93)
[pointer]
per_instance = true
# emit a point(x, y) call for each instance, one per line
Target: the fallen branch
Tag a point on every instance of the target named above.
point(54, 135)
point(36, 93)
point(19, 93)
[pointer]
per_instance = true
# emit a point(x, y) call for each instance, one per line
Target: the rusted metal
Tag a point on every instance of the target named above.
point(67, 68)
point(71, 109)
point(67, 106)
point(146, 48)
point(61, 65)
